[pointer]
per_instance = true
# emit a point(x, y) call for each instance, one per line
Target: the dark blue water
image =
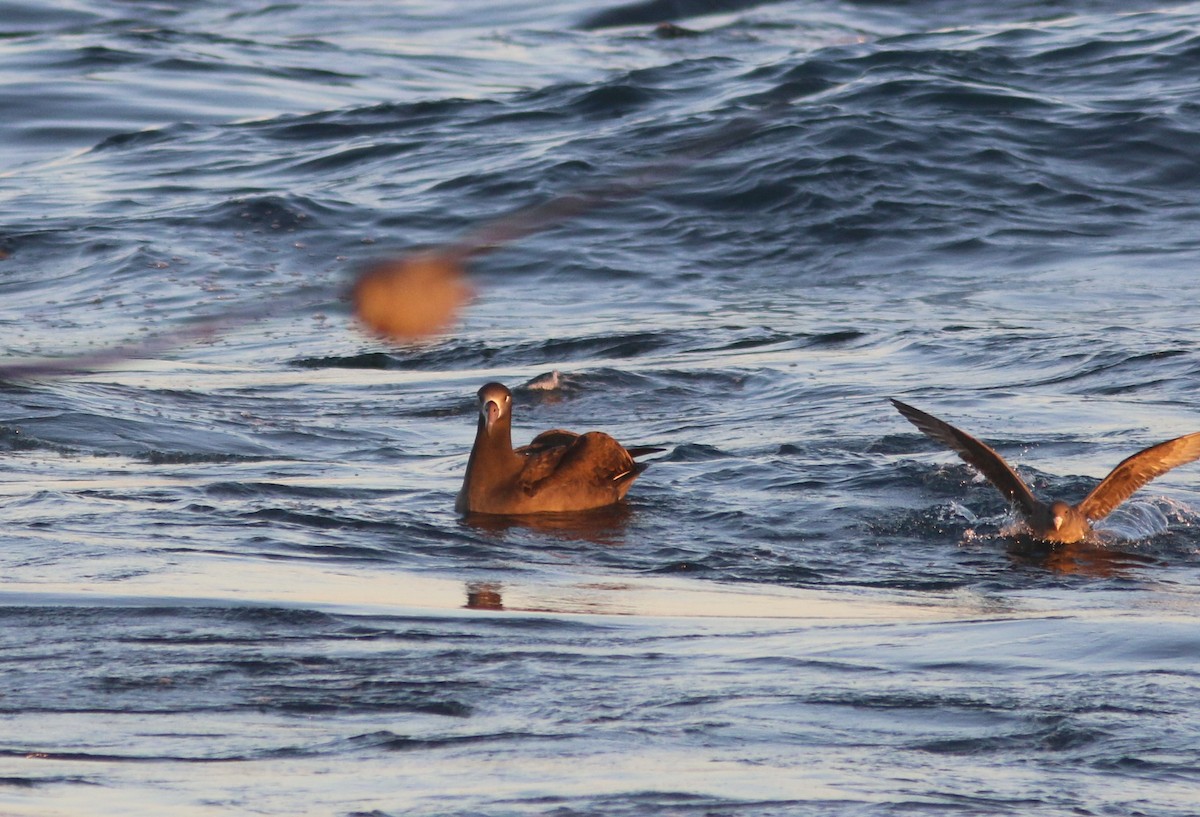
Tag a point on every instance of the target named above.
point(233, 581)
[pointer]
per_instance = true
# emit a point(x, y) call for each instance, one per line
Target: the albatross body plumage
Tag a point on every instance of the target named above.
point(559, 471)
point(1058, 522)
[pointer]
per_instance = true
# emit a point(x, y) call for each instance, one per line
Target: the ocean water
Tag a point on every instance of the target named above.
point(233, 581)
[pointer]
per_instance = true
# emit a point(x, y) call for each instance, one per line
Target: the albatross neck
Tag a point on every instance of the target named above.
point(495, 448)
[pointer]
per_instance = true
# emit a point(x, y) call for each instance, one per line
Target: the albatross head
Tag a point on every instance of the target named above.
point(1059, 511)
point(495, 402)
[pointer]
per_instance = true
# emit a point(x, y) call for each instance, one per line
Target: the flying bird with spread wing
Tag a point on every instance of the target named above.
point(1058, 521)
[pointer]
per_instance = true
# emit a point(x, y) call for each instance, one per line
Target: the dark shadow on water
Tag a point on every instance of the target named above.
point(651, 12)
point(1079, 558)
point(603, 526)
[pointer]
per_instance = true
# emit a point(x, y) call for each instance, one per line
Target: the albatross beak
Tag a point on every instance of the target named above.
point(491, 413)
point(1058, 520)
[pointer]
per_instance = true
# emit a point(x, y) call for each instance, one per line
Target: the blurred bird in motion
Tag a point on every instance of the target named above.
point(419, 294)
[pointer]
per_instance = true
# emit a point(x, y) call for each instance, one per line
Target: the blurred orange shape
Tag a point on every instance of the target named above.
point(412, 297)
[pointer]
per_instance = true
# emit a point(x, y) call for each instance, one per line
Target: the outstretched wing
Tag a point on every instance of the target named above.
point(974, 453)
point(1136, 471)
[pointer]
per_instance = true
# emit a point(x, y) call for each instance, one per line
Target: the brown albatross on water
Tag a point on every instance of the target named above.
point(558, 471)
point(1058, 521)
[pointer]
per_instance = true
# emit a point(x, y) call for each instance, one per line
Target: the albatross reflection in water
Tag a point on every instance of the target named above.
point(600, 526)
point(484, 596)
point(1077, 558)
